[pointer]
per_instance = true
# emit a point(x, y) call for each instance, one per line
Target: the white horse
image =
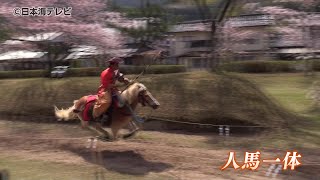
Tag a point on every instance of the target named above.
point(121, 117)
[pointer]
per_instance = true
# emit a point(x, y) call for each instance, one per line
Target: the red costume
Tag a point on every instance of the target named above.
point(107, 77)
point(85, 114)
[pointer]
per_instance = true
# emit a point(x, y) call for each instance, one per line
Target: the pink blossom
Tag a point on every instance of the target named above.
point(87, 23)
point(276, 10)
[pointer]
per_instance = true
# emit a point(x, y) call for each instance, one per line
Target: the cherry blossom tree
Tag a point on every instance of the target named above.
point(216, 20)
point(290, 25)
point(85, 24)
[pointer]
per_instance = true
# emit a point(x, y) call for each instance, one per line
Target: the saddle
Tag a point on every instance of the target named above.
point(87, 113)
point(106, 118)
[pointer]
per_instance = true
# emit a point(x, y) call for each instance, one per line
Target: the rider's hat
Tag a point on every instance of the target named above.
point(115, 60)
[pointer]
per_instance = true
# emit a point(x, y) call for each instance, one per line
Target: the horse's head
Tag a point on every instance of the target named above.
point(145, 97)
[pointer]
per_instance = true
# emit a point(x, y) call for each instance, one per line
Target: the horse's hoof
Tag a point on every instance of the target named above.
point(104, 138)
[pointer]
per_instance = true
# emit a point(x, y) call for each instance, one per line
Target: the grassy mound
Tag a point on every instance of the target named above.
point(270, 66)
point(196, 97)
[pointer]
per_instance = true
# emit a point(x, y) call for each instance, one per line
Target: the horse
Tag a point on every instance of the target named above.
point(135, 94)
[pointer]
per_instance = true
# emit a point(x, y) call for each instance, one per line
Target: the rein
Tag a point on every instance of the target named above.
point(143, 71)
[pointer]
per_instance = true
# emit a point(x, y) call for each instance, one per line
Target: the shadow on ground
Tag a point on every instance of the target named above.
point(124, 162)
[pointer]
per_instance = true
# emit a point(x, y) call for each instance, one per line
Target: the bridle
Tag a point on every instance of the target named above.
point(141, 97)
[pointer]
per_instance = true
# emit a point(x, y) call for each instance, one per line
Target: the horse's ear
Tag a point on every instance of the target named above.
point(141, 86)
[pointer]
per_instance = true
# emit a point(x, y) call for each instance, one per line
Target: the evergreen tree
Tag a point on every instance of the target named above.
point(152, 21)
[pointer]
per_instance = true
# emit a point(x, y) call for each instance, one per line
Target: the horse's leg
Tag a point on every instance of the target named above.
point(118, 122)
point(105, 133)
point(95, 129)
point(134, 130)
point(134, 126)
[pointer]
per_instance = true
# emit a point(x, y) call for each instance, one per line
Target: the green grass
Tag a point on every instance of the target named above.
point(289, 89)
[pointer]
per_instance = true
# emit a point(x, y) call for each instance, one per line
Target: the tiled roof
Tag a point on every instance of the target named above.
point(250, 20)
point(21, 55)
point(40, 37)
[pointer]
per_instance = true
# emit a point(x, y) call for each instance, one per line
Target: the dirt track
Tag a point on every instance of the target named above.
point(178, 156)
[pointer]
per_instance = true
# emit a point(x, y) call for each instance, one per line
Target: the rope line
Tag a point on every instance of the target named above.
point(34, 138)
point(203, 124)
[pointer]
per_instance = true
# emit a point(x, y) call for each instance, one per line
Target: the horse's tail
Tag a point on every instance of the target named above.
point(65, 114)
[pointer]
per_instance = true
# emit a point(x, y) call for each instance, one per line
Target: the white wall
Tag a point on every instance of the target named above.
point(182, 41)
point(256, 43)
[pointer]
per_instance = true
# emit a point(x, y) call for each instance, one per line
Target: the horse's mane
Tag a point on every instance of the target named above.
point(131, 93)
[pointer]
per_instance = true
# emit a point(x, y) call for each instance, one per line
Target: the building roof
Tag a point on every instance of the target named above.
point(191, 27)
point(77, 55)
point(123, 52)
point(40, 37)
point(250, 20)
point(82, 51)
point(12, 42)
point(83, 48)
point(21, 55)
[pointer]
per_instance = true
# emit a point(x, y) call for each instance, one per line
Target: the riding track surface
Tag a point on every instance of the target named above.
point(149, 155)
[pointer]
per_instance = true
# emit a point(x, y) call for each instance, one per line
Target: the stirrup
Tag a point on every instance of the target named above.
point(138, 119)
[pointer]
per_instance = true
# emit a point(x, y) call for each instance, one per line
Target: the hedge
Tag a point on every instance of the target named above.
point(267, 66)
point(154, 69)
point(164, 69)
point(23, 74)
point(316, 65)
point(92, 71)
point(95, 71)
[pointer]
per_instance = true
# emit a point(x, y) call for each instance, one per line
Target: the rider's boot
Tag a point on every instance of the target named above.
point(119, 101)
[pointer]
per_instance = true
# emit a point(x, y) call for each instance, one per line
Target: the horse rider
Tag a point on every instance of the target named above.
point(107, 88)
point(107, 91)
point(108, 79)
